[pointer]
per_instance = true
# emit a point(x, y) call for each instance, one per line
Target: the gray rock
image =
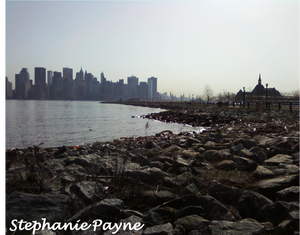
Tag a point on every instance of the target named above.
point(245, 164)
point(190, 154)
point(247, 143)
point(226, 154)
point(192, 222)
point(191, 189)
point(250, 203)
point(243, 227)
point(289, 194)
point(223, 193)
point(278, 211)
point(190, 210)
point(226, 165)
point(279, 158)
point(214, 210)
point(269, 187)
point(86, 190)
point(53, 207)
point(287, 227)
point(156, 197)
point(180, 180)
point(237, 149)
point(260, 155)
point(163, 229)
point(212, 155)
point(106, 210)
point(262, 173)
point(151, 218)
point(144, 174)
point(172, 150)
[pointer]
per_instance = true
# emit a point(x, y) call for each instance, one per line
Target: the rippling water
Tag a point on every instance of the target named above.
point(57, 123)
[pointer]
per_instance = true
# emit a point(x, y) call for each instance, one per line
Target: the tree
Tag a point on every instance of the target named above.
point(208, 93)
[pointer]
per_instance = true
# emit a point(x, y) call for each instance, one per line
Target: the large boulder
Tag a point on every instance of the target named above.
point(163, 229)
point(250, 203)
point(192, 222)
point(289, 194)
point(279, 158)
point(269, 187)
point(53, 207)
point(243, 227)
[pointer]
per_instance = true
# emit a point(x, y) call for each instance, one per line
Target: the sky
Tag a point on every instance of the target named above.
point(185, 44)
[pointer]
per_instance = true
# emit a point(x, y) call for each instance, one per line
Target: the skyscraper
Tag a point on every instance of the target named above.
point(39, 75)
point(133, 83)
point(22, 84)
point(152, 88)
point(68, 73)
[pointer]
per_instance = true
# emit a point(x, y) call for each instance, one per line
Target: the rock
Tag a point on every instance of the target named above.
point(213, 209)
point(190, 154)
point(223, 193)
point(109, 209)
point(169, 151)
point(278, 211)
point(157, 197)
point(287, 227)
point(236, 150)
point(247, 143)
point(192, 222)
point(259, 155)
point(192, 141)
point(151, 218)
point(86, 190)
point(144, 174)
point(262, 173)
point(279, 158)
point(289, 194)
point(246, 153)
point(53, 207)
point(245, 164)
point(289, 169)
point(250, 203)
point(226, 165)
point(178, 181)
point(269, 187)
point(163, 229)
point(243, 227)
point(191, 189)
point(189, 210)
point(212, 155)
point(167, 213)
point(226, 154)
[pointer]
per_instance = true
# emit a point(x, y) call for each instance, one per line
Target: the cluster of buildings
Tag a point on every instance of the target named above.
point(62, 86)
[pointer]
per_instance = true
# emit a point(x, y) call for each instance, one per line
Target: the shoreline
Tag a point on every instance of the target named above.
point(171, 183)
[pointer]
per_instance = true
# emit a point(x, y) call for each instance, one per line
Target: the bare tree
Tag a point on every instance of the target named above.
point(208, 93)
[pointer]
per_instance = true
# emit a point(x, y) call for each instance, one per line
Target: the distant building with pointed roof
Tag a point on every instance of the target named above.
point(259, 93)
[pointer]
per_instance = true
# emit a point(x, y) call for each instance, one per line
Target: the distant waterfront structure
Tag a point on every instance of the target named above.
point(133, 83)
point(49, 77)
point(55, 85)
point(152, 88)
point(22, 84)
point(8, 89)
point(68, 73)
point(258, 93)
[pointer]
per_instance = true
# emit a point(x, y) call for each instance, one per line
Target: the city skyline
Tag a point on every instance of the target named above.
point(55, 85)
point(187, 45)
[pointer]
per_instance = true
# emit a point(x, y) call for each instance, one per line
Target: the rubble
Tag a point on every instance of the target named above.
point(241, 176)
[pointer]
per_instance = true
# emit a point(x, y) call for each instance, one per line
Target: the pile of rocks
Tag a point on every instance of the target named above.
point(241, 176)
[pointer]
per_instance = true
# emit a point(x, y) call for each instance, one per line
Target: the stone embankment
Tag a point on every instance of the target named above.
point(240, 176)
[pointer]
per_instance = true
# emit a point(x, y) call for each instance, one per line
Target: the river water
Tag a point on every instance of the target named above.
point(58, 123)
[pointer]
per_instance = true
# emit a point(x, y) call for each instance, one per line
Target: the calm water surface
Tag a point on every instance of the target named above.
point(58, 123)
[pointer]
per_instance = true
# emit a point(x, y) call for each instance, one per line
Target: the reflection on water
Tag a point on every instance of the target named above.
point(57, 123)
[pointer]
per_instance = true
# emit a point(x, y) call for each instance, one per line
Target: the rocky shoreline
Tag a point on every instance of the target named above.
point(240, 176)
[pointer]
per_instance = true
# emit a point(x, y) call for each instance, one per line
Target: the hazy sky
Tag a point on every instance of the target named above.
point(185, 44)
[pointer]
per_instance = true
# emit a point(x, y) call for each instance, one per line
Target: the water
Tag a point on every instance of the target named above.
point(58, 123)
